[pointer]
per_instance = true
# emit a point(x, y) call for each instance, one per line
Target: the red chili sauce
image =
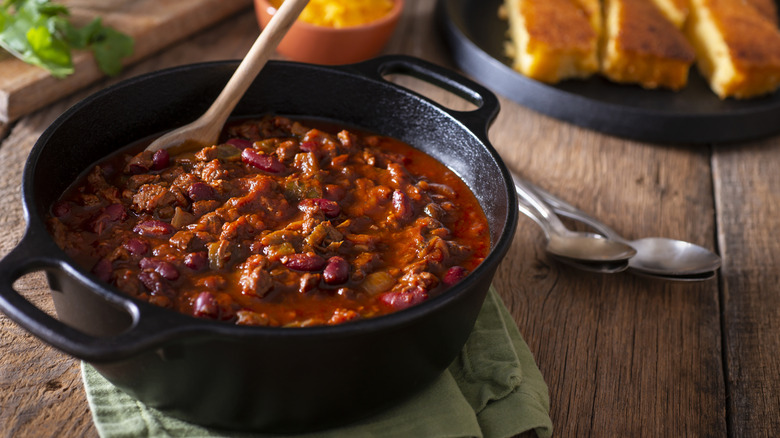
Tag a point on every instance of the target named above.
point(278, 225)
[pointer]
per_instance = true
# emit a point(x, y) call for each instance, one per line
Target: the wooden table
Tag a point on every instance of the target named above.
point(622, 355)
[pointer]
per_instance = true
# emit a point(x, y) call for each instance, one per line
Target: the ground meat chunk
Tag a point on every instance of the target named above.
point(184, 181)
point(191, 241)
point(215, 170)
point(255, 280)
point(243, 228)
point(153, 198)
point(136, 181)
point(364, 264)
point(200, 208)
point(209, 223)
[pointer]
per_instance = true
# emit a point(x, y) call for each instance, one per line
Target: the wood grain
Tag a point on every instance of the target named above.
point(748, 194)
point(153, 24)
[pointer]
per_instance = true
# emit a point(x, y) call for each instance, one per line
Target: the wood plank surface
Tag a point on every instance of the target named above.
point(748, 194)
point(622, 355)
point(153, 24)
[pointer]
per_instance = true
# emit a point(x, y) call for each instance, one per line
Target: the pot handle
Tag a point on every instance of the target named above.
point(34, 253)
point(477, 121)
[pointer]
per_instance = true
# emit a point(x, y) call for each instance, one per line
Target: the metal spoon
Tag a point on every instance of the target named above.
point(599, 267)
point(613, 267)
point(688, 278)
point(657, 256)
point(205, 130)
point(582, 246)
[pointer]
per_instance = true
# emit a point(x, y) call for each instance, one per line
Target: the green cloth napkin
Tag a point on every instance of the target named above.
point(492, 390)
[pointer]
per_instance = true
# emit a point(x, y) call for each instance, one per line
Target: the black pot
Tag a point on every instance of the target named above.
point(259, 378)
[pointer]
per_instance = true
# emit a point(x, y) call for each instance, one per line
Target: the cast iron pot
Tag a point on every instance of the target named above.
point(259, 378)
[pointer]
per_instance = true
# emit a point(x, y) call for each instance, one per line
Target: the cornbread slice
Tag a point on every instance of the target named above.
point(676, 11)
point(767, 9)
point(554, 39)
point(737, 48)
point(641, 46)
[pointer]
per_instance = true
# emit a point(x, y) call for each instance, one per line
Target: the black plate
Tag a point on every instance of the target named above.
point(693, 115)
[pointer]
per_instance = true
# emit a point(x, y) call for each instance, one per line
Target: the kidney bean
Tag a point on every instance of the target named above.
point(155, 284)
point(240, 143)
point(336, 271)
point(206, 306)
point(61, 209)
point(328, 208)
point(116, 212)
point(304, 262)
point(109, 214)
point(160, 160)
point(403, 299)
point(167, 270)
point(135, 246)
point(103, 269)
point(200, 191)
point(266, 163)
point(196, 261)
point(454, 275)
point(402, 205)
point(154, 228)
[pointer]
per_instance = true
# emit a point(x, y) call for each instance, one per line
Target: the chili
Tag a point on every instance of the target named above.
point(279, 224)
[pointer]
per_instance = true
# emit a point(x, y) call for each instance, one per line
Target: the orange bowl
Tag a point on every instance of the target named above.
point(306, 42)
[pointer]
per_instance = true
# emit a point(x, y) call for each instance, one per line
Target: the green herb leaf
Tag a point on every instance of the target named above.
point(109, 47)
point(38, 32)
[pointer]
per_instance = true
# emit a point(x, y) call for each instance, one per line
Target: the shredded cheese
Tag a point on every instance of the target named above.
point(342, 13)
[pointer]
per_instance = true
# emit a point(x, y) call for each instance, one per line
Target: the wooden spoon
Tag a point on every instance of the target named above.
point(206, 129)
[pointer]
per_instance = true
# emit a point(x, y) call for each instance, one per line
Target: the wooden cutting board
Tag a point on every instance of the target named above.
point(153, 24)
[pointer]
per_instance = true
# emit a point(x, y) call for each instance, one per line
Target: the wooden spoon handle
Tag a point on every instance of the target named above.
point(255, 60)
point(205, 130)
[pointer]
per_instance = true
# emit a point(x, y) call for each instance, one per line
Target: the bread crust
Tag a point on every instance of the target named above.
point(554, 39)
point(641, 46)
point(737, 47)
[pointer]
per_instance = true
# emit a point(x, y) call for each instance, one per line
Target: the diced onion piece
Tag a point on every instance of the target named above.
point(377, 282)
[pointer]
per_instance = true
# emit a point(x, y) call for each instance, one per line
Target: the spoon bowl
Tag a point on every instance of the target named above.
point(589, 247)
point(663, 256)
